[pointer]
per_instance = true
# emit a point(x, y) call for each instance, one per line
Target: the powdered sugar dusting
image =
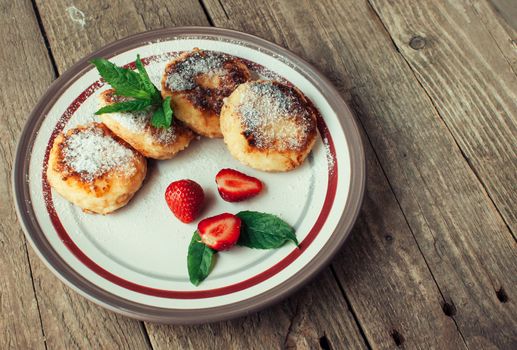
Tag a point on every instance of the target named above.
point(139, 122)
point(91, 153)
point(274, 115)
point(182, 77)
point(328, 154)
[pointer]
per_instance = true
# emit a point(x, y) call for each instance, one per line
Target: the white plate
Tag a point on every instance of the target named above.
point(134, 260)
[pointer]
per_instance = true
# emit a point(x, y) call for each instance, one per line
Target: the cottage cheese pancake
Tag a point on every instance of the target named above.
point(268, 125)
point(94, 169)
point(197, 82)
point(135, 129)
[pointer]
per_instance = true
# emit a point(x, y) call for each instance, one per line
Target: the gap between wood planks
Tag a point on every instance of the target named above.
point(397, 337)
point(56, 75)
point(45, 38)
point(211, 22)
point(323, 341)
point(447, 307)
point(442, 119)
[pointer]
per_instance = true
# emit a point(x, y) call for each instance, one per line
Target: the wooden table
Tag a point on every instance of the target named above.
point(432, 261)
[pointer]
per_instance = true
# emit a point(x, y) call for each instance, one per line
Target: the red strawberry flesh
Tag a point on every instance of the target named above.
point(235, 186)
point(220, 232)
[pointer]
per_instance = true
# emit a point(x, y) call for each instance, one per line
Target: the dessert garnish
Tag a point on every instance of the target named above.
point(137, 86)
point(220, 232)
point(185, 199)
point(250, 229)
point(234, 186)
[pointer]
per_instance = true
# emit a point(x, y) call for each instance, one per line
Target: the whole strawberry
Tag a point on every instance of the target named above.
point(185, 199)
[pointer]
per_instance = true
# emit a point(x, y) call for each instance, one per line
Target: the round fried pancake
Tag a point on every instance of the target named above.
point(268, 125)
point(94, 169)
point(135, 128)
point(197, 82)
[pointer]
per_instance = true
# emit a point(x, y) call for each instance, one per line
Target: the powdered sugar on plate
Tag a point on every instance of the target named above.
point(91, 153)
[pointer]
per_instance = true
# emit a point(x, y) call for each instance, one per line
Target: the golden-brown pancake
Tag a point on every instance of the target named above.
point(197, 82)
point(94, 169)
point(268, 125)
point(135, 128)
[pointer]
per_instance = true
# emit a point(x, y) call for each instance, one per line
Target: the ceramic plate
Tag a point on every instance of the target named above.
point(134, 260)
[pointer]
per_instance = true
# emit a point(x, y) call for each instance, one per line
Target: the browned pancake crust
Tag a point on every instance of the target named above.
point(269, 125)
point(100, 184)
point(303, 118)
point(205, 91)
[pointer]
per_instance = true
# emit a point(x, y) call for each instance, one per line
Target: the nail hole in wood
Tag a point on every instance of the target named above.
point(449, 309)
point(417, 42)
point(501, 295)
point(397, 337)
point(324, 343)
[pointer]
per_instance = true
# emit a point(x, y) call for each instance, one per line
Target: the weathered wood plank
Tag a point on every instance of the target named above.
point(25, 72)
point(477, 100)
point(316, 314)
point(464, 240)
point(76, 30)
point(503, 31)
point(381, 268)
point(281, 326)
point(507, 10)
point(69, 320)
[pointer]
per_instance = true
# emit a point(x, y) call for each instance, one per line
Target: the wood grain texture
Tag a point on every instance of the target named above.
point(291, 323)
point(381, 247)
point(506, 10)
point(316, 312)
point(20, 325)
point(69, 320)
point(503, 32)
point(464, 240)
point(477, 100)
point(77, 29)
point(72, 322)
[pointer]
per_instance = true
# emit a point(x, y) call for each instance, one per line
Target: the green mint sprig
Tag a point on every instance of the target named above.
point(258, 230)
point(138, 86)
point(264, 231)
point(200, 260)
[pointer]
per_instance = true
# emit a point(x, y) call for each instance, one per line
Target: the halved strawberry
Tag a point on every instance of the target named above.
point(235, 186)
point(220, 232)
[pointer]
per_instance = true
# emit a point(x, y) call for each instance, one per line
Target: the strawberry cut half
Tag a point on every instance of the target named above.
point(220, 232)
point(235, 186)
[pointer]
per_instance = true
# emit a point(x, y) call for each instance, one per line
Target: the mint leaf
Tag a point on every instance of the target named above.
point(147, 83)
point(167, 110)
point(199, 260)
point(137, 85)
point(125, 81)
point(162, 117)
point(158, 118)
point(127, 106)
point(264, 231)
